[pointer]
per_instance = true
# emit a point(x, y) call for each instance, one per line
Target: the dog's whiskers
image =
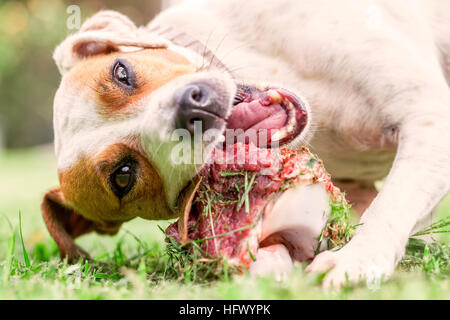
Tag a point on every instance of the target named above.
point(215, 52)
point(234, 49)
point(205, 49)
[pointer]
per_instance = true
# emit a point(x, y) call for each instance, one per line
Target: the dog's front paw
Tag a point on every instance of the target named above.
point(354, 263)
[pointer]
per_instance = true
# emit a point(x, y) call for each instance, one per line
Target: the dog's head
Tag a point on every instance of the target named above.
point(123, 95)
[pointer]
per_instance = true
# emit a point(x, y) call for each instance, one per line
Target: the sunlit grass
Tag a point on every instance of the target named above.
point(135, 265)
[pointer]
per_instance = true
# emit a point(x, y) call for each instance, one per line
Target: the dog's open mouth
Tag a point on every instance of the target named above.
point(266, 117)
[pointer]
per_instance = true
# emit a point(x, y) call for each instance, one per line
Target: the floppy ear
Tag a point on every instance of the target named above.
point(64, 225)
point(103, 33)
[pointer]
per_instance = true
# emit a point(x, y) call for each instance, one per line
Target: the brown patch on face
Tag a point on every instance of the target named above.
point(151, 69)
point(87, 187)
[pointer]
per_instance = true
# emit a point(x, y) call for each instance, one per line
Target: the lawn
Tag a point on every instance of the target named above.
point(135, 264)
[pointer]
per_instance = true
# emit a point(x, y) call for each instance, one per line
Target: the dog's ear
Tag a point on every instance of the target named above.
point(64, 224)
point(103, 33)
point(96, 36)
point(108, 20)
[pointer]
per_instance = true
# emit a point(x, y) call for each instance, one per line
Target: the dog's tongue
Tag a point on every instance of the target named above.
point(266, 117)
point(255, 115)
point(232, 214)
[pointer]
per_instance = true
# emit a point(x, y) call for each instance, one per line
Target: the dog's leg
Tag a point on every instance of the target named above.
point(64, 225)
point(418, 180)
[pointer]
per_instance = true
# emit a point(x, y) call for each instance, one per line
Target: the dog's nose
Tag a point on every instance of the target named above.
point(198, 103)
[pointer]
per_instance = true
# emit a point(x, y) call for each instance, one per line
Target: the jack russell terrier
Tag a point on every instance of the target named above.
point(375, 73)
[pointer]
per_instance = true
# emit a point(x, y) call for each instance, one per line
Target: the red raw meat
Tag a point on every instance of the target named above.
point(236, 186)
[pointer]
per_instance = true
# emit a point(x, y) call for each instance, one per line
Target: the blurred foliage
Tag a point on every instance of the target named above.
point(29, 32)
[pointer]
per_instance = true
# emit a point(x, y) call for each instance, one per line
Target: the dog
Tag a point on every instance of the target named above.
point(375, 75)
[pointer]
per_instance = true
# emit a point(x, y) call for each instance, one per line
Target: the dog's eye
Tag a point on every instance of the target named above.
point(123, 177)
point(122, 180)
point(122, 74)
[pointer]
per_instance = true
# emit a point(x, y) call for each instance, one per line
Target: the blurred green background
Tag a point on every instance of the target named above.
point(29, 32)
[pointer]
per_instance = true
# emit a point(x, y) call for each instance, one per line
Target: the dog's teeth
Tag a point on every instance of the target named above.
point(280, 134)
point(290, 106)
point(290, 128)
point(274, 95)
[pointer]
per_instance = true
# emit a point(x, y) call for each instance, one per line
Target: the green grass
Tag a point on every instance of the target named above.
point(135, 264)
